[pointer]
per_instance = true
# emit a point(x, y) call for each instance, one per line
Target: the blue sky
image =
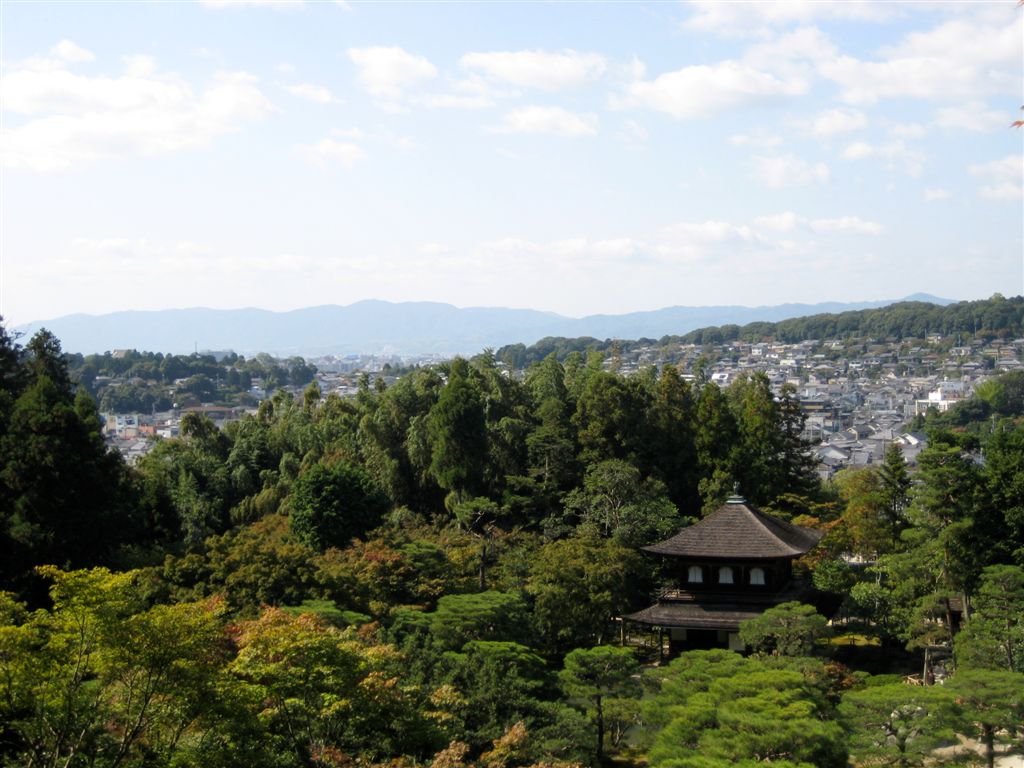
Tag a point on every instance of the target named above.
point(572, 157)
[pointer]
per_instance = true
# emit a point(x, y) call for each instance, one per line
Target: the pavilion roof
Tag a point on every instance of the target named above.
point(696, 616)
point(737, 531)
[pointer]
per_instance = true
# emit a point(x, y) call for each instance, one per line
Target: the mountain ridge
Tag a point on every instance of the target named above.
point(409, 328)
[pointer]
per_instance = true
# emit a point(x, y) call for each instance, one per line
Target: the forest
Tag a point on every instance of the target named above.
point(143, 381)
point(996, 317)
point(429, 573)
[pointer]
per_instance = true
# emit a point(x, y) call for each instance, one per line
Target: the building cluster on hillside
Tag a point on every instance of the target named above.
point(858, 396)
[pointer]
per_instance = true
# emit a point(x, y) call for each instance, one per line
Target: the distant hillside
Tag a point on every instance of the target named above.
point(997, 316)
point(377, 326)
point(917, 318)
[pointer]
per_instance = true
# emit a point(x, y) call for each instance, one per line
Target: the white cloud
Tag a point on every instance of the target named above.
point(756, 18)
point(385, 73)
point(895, 154)
point(908, 130)
point(706, 90)
point(768, 245)
point(329, 151)
point(756, 140)
point(537, 69)
point(936, 193)
point(77, 120)
point(139, 259)
point(433, 249)
point(357, 134)
point(632, 131)
point(551, 120)
point(788, 221)
point(710, 232)
point(853, 224)
point(285, 5)
point(834, 121)
point(72, 53)
point(312, 92)
point(139, 66)
point(1005, 178)
point(791, 51)
point(454, 101)
point(959, 59)
point(780, 171)
point(973, 116)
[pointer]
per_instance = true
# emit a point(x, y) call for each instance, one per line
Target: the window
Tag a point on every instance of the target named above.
point(725, 575)
point(757, 576)
point(695, 575)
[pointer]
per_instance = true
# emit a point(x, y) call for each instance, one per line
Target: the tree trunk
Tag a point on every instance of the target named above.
point(949, 619)
point(599, 752)
point(1010, 661)
point(482, 572)
point(988, 735)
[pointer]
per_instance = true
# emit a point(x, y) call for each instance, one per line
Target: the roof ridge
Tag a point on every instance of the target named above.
point(777, 537)
point(769, 522)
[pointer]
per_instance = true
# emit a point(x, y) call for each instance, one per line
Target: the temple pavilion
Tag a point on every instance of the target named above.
point(731, 566)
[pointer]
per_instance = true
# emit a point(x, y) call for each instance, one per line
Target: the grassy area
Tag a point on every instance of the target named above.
point(855, 639)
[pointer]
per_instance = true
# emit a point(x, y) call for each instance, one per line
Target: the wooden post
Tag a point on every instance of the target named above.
point(661, 645)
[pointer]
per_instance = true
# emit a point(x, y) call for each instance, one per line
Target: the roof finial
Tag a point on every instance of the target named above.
point(736, 498)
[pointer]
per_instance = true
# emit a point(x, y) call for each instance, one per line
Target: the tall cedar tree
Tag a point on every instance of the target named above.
point(62, 491)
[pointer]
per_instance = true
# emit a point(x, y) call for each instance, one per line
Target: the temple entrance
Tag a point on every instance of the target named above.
point(702, 639)
point(695, 640)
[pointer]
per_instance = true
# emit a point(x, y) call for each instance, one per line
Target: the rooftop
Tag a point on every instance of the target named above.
point(737, 531)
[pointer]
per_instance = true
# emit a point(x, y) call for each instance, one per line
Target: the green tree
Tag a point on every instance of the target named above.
point(715, 708)
point(481, 616)
point(333, 503)
point(770, 457)
point(98, 681)
point(501, 683)
point(618, 503)
point(670, 444)
point(716, 439)
point(595, 675)
point(894, 724)
point(994, 636)
point(865, 526)
point(578, 585)
point(457, 433)
point(895, 490)
point(322, 690)
point(551, 447)
point(789, 629)
point(479, 518)
point(63, 494)
point(607, 419)
point(1003, 478)
point(989, 705)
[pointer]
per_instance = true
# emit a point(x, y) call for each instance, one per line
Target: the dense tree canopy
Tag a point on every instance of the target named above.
point(430, 572)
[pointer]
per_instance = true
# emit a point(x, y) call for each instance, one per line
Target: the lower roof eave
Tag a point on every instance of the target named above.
point(692, 617)
point(725, 626)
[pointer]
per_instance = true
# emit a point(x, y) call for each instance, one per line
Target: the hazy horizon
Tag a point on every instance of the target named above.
point(575, 158)
point(910, 297)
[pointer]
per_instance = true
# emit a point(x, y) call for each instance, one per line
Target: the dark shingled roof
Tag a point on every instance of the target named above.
point(735, 531)
point(696, 615)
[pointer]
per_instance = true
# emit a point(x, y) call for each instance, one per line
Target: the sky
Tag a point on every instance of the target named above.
point(570, 157)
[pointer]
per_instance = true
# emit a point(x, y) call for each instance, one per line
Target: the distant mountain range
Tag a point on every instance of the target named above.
point(406, 328)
